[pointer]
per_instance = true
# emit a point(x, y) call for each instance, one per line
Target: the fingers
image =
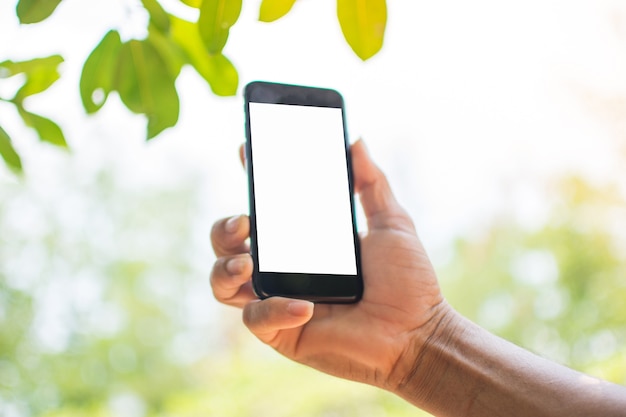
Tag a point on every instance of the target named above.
point(379, 204)
point(268, 317)
point(230, 277)
point(229, 236)
point(230, 280)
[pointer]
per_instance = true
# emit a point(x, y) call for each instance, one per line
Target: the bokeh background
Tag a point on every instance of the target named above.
point(501, 126)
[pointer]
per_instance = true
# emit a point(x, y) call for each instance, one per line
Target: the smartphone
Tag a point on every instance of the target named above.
point(303, 235)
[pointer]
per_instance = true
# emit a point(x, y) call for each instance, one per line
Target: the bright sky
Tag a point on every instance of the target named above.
point(467, 101)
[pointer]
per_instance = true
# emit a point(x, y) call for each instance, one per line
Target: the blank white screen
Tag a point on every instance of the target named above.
point(301, 192)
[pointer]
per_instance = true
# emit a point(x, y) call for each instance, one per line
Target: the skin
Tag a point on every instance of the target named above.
point(403, 336)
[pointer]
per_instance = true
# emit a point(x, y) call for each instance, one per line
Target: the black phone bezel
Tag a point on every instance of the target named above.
point(323, 288)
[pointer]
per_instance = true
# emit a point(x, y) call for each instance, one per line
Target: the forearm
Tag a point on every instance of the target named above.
point(463, 370)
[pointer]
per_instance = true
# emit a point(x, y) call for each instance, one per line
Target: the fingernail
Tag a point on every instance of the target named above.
point(300, 308)
point(235, 266)
point(232, 224)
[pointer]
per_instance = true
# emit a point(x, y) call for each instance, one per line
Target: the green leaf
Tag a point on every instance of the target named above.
point(217, 70)
point(146, 85)
point(47, 130)
point(40, 73)
point(222, 75)
point(215, 21)
point(36, 82)
point(158, 17)
point(274, 9)
point(169, 50)
point(33, 11)
point(8, 153)
point(192, 3)
point(97, 77)
point(363, 25)
point(10, 68)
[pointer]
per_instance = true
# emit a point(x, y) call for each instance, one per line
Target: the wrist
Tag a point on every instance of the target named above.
point(421, 366)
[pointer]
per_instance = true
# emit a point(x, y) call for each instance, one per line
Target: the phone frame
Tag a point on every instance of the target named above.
point(322, 288)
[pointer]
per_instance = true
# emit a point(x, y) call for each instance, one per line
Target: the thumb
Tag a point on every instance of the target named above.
point(268, 317)
point(379, 204)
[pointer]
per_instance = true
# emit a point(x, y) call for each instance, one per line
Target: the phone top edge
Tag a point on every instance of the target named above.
point(277, 93)
point(271, 84)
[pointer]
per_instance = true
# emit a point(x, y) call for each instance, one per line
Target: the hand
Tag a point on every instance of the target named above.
point(402, 336)
point(366, 341)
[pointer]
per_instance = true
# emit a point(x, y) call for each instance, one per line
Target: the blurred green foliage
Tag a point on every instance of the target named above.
point(558, 290)
point(89, 290)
